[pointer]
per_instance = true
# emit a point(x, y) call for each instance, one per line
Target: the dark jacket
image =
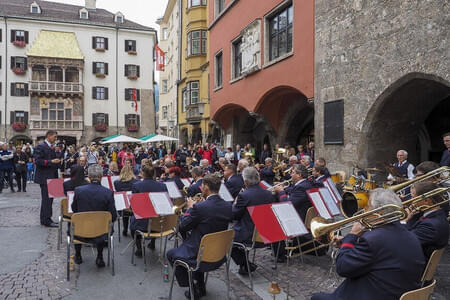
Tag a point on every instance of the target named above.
point(45, 169)
point(195, 188)
point(432, 231)
point(145, 186)
point(8, 163)
point(253, 195)
point(20, 168)
point(234, 185)
point(94, 197)
point(124, 186)
point(382, 264)
point(445, 159)
point(267, 174)
point(70, 186)
point(177, 181)
point(298, 197)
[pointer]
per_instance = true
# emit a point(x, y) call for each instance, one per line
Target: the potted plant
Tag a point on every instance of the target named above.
point(132, 128)
point(18, 71)
point(19, 126)
point(132, 52)
point(100, 75)
point(20, 44)
point(100, 127)
point(132, 77)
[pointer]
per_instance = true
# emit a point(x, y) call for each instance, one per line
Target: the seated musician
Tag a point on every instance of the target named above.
point(431, 228)
point(233, 182)
point(147, 185)
point(307, 161)
point(321, 162)
point(195, 187)
point(207, 169)
point(242, 164)
point(174, 175)
point(76, 179)
point(209, 216)
point(94, 197)
point(382, 263)
point(425, 167)
point(124, 184)
point(318, 173)
point(253, 195)
point(267, 173)
point(293, 160)
point(404, 169)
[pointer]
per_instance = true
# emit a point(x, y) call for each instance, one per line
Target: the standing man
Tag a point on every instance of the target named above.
point(445, 160)
point(46, 168)
point(6, 167)
point(265, 153)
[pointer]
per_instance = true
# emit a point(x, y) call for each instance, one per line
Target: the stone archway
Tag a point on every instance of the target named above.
point(405, 117)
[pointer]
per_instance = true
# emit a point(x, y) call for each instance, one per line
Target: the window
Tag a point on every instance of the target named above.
point(19, 89)
point(99, 119)
point(280, 33)
point(130, 45)
point(100, 93)
point(165, 34)
point(132, 119)
point(55, 74)
point(34, 9)
point(129, 94)
point(18, 62)
point(84, 14)
point(119, 19)
point(218, 70)
point(164, 86)
point(164, 111)
point(237, 58)
point(100, 68)
point(196, 42)
point(39, 73)
point(192, 3)
point(333, 122)
point(99, 43)
point(19, 36)
point(132, 71)
point(185, 100)
point(19, 117)
point(191, 94)
point(219, 6)
point(56, 111)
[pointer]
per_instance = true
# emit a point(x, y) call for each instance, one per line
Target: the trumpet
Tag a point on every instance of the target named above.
point(414, 203)
point(285, 183)
point(287, 171)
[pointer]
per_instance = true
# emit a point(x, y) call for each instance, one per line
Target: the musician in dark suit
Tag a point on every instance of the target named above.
point(267, 173)
point(233, 183)
point(318, 173)
point(94, 197)
point(432, 227)
point(209, 216)
point(46, 168)
point(76, 179)
point(321, 162)
point(147, 185)
point(253, 195)
point(195, 187)
point(382, 263)
point(445, 159)
point(125, 184)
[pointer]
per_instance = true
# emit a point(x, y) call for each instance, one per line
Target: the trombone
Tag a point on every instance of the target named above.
point(414, 203)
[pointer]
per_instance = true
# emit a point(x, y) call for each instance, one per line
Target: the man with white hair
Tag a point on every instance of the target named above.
point(207, 169)
point(306, 161)
point(293, 160)
point(267, 173)
point(253, 195)
point(403, 168)
point(382, 263)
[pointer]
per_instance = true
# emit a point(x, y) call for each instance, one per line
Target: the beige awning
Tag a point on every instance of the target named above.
point(56, 44)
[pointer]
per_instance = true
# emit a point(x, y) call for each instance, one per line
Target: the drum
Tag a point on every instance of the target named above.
point(369, 185)
point(353, 180)
point(336, 178)
point(352, 202)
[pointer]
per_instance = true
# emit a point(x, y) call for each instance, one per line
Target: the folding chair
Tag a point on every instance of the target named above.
point(431, 266)
point(256, 240)
point(213, 248)
point(159, 227)
point(87, 225)
point(64, 216)
point(420, 294)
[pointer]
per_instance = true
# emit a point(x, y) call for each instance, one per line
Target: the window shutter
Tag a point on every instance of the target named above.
point(126, 70)
point(13, 62)
point(138, 94)
point(106, 68)
point(13, 35)
point(13, 89)
point(126, 120)
point(94, 92)
point(26, 64)
point(25, 117)
point(127, 94)
point(26, 37)
point(106, 43)
point(12, 115)
point(26, 89)
point(126, 44)
point(94, 119)
point(138, 120)
point(138, 71)
point(0, 92)
point(93, 42)
point(106, 93)
point(134, 45)
point(106, 120)
point(94, 67)
point(0, 35)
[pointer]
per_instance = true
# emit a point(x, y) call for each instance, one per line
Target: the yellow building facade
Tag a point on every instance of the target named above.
point(193, 87)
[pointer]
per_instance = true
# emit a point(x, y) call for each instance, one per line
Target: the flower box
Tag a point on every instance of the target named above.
point(132, 52)
point(100, 75)
point(132, 77)
point(100, 49)
point(133, 128)
point(19, 126)
point(18, 71)
point(100, 127)
point(20, 44)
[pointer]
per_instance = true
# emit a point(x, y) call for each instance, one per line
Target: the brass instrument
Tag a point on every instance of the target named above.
point(353, 201)
point(288, 170)
point(413, 204)
point(285, 183)
point(185, 190)
point(178, 210)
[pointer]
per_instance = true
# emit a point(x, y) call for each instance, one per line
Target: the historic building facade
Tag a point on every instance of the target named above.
point(262, 64)
point(382, 81)
point(76, 69)
point(170, 35)
point(193, 87)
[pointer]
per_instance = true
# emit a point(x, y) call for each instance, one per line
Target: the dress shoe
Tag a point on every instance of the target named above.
point(78, 259)
point(243, 269)
point(125, 232)
point(100, 262)
point(17, 191)
point(52, 225)
point(151, 245)
point(197, 294)
point(13, 191)
point(24, 190)
point(138, 253)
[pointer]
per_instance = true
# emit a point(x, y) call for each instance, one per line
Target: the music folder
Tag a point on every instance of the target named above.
point(55, 187)
point(329, 184)
point(225, 194)
point(108, 182)
point(323, 202)
point(149, 205)
point(173, 190)
point(186, 182)
point(121, 200)
point(70, 195)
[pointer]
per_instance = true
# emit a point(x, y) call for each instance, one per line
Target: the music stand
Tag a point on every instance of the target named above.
point(55, 187)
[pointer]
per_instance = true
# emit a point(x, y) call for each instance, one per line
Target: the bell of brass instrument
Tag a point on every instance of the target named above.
point(179, 209)
point(285, 183)
point(198, 198)
point(414, 203)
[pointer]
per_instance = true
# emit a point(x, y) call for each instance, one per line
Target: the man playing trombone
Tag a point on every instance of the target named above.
point(382, 263)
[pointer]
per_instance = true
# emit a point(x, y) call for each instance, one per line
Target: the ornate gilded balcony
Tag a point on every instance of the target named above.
point(56, 87)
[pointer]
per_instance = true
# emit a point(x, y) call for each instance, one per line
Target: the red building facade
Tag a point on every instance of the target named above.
point(262, 71)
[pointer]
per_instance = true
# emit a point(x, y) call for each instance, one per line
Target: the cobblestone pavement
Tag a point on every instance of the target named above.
point(43, 277)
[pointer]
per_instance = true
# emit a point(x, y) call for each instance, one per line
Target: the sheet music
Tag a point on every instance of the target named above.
point(319, 205)
point(105, 182)
point(119, 200)
point(70, 196)
point(173, 190)
point(161, 204)
point(289, 219)
point(114, 178)
point(225, 194)
point(329, 201)
point(332, 187)
point(186, 182)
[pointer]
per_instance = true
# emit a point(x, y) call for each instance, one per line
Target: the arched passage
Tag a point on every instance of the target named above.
point(411, 114)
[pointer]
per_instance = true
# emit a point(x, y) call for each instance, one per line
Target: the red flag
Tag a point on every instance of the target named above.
point(134, 97)
point(159, 58)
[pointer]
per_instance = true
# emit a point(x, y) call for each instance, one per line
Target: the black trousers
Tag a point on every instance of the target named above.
point(182, 274)
point(238, 256)
point(9, 176)
point(302, 239)
point(46, 206)
point(100, 245)
point(21, 179)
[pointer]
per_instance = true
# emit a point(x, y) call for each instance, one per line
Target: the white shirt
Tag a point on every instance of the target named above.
point(410, 171)
point(48, 143)
point(298, 182)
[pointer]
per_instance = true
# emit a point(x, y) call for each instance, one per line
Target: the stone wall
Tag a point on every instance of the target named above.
point(365, 50)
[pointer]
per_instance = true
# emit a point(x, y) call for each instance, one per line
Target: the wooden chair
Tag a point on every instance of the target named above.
point(420, 294)
point(87, 225)
point(256, 240)
point(430, 269)
point(213, 248)
point(64, 216)
point(159, 227)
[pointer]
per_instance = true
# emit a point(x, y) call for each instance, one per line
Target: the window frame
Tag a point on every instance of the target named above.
point(100, 42)
point(218, 70)
point(235, 59)
point(19, 35)
point(200, 3)
point(19, 119)
point(202, 40)
point(288, 8)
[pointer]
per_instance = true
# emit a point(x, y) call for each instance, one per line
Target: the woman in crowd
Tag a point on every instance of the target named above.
point(124, 184)
point(20, 168)
point(113, 169)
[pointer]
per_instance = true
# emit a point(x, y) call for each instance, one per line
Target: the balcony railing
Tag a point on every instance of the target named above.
point(56, 87)
point(194, 112)
point(67, 125)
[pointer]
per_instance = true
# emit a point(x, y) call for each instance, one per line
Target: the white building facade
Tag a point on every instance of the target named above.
point(76, 70)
